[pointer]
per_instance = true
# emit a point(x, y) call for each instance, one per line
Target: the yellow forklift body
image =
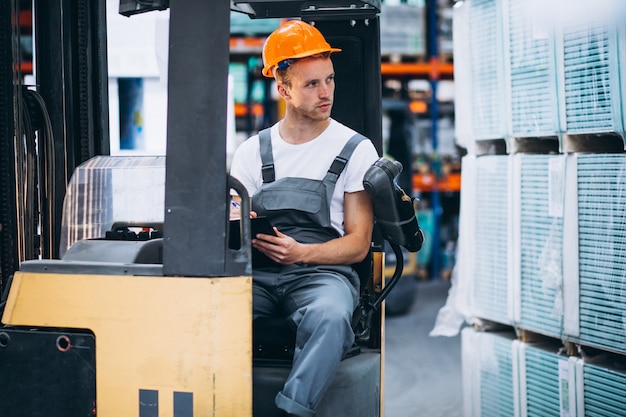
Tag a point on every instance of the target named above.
point(378, 282)
point(164, 334)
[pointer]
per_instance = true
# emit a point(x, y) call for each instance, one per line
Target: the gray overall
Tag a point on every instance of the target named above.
point(319, 299)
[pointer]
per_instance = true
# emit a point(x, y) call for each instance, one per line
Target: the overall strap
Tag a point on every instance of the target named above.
point(267, 159)
point(341, 160)
point(338, 165)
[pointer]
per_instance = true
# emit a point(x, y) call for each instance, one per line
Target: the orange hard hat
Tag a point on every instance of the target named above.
point(294, 39)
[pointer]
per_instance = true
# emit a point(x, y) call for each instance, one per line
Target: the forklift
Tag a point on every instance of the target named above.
point(121, 292)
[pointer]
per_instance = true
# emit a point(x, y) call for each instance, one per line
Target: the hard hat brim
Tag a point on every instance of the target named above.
point(268, 70)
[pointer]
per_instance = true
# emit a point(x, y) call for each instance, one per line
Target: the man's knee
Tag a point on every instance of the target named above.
point(329, 311)
point(324, 322)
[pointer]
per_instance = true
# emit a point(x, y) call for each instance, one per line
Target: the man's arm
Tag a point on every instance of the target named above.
point(351, 248)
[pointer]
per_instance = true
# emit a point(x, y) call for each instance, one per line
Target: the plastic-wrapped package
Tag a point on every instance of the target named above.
point(595, 313)
point(490, 383)
point(109, 189)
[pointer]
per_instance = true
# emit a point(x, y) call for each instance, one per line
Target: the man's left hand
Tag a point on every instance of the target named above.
point(281, 248)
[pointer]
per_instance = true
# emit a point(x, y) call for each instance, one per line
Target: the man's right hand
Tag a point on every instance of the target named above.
point(235, 209)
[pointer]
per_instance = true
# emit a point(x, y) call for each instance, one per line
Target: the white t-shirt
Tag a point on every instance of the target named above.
point(308, 160)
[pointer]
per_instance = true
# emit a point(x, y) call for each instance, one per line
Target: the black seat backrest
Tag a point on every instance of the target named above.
point(364, 269)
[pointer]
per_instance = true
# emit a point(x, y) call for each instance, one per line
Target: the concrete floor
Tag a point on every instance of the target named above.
point(422, 373)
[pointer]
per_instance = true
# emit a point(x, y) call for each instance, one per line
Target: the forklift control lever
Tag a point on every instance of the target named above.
point(394, 210)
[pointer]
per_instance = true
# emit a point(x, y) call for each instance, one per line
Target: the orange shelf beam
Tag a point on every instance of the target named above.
point(246, 44)
point(26, 19)
point(429, 182)
point(428, 69)
point(26, 67)
point(241, 109)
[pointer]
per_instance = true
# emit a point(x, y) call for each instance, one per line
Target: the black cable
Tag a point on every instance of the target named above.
point(46, 178)
point(27, 182)
point(397, 274)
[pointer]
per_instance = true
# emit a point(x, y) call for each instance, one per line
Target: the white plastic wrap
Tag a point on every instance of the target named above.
point(504, 376)
point(490, 373)
point(109, 189)
point(603, 386)
point(487, 60)
point(530, 71)
point(462, 78)
point(600, 199)
point(538, 242)
point(565, 278)
point(458, 307)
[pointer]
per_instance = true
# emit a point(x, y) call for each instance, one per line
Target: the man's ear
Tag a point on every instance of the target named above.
point(283, 91)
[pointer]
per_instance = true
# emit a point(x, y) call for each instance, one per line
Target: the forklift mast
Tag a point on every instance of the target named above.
point(67, 109)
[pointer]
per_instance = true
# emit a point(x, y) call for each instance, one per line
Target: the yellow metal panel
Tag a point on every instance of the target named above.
point(378, 259)
point(155, 333)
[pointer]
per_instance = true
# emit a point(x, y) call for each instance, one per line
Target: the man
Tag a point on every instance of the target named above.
point(322, 220)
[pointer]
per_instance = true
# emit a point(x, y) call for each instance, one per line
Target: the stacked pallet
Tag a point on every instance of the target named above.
point(505, 376)
point(541, 105)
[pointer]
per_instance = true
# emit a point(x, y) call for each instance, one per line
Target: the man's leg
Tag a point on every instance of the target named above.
point(265, 303)
point(322, 304)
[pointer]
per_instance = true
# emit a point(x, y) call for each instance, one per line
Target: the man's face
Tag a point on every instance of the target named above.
point(312, 88)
